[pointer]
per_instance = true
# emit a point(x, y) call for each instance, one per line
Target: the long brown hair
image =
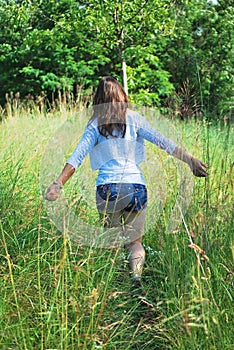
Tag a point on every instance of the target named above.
point(110, 104)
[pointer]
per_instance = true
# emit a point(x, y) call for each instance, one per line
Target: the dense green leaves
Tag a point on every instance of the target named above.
point(67, 45)
point(201, 54)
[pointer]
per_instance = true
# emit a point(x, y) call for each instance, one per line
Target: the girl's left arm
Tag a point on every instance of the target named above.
point(149, 133)
point(198, 167)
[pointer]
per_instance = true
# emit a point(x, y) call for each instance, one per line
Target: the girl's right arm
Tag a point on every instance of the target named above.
point(87, 142)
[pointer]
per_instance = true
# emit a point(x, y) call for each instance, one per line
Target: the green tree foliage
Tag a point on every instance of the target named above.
point(200, 57)
point(131, 32)
point(182, 49)
point(67, 43)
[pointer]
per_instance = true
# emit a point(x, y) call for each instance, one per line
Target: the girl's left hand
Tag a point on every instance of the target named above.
point(198, 168)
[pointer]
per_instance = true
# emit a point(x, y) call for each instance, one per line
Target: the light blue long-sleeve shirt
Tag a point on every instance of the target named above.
point(118, 158)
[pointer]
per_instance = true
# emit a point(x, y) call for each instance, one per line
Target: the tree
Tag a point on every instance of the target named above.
point(130, 33)
point(159, 45)
point(62, 44)
point(46, 48)
point(200, 57)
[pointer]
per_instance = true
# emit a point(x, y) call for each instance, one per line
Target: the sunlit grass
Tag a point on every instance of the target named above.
point(58, 295)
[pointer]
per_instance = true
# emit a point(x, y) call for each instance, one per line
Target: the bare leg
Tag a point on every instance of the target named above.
point(113, 223)
point(136, 258)
point(133, 231)
point(134, 227)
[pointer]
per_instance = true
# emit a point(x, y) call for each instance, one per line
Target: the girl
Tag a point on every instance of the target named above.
point(114, 137)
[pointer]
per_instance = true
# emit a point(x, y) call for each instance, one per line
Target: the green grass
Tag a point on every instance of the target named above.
point(55, 294)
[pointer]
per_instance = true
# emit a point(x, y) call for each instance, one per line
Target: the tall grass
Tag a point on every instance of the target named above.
point(58, 295)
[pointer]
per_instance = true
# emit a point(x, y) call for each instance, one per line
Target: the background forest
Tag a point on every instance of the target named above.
point(178, 54)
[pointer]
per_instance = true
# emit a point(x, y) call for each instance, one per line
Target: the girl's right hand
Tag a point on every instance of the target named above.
point(52, 192)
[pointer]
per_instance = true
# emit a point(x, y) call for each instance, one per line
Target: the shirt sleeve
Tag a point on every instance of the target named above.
point(147, 132)
point(85, 145)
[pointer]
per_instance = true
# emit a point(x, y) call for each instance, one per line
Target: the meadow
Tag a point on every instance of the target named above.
point(57, 294)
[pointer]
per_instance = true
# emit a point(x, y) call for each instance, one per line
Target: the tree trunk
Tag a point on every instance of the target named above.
point(125, 82)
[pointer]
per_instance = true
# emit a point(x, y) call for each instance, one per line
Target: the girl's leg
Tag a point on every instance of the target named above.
point(134, 228)
point(136, 258)
point(113, 221)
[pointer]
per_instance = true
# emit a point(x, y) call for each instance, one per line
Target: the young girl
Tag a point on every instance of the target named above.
point(114, 137)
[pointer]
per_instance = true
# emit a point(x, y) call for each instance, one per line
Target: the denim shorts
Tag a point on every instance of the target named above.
point(114, 197)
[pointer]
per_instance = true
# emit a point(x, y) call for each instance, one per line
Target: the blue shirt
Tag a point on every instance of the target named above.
point(118, 158)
